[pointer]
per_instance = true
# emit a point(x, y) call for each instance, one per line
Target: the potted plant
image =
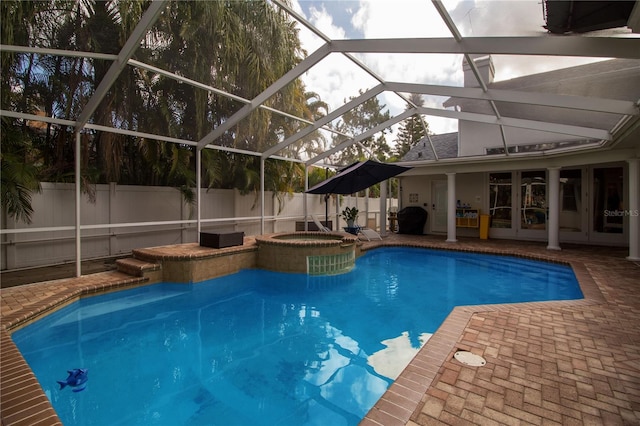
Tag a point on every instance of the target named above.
point(350, 214)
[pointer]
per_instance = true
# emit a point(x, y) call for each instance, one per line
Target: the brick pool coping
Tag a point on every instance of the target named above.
point(409, 400)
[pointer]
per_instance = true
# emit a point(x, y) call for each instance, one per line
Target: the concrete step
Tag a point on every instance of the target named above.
point(136, 267)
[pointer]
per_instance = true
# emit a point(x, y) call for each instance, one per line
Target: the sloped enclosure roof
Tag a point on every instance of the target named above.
point(617, 112)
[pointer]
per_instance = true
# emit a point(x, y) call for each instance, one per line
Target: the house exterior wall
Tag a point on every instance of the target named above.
point(418, 191)
point(476, 138)
point(582, 212)
point(579, 224)
point(588, 176)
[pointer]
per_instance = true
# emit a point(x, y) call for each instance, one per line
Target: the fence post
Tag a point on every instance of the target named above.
point(113, 238)
point(10, 248)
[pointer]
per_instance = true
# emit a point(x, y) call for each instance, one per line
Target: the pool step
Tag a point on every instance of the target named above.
point(136, 267)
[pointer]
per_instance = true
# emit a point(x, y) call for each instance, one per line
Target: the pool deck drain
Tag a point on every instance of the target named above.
point(469, 358)
point(569, 362)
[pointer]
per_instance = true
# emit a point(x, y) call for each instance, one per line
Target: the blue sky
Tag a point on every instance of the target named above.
point(340, 11)
point(336, 79)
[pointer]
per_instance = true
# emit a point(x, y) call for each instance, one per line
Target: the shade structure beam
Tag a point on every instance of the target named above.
point(364, 135)
point(583, 103)
point(131, 45)
point(325, 120)
point(565, 129)
point(545, 45)
point(133, 133)
point(328, 40)
point(278, 85)
point(472, 64)
point(433, 148)
point(216, 91)
point(58, 52)
point(138, 64)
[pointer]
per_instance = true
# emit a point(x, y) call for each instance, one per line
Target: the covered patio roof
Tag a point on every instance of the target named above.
point(539, 47)
point(622, 114)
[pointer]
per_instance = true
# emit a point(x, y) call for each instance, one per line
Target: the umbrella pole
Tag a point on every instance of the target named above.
point(326, 210)
point(326, 200)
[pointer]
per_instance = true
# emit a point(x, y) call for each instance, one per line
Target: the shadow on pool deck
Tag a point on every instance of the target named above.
point(570, 362)
point(56, 272)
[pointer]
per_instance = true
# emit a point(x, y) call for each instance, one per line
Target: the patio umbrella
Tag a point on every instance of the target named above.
point(356, 177)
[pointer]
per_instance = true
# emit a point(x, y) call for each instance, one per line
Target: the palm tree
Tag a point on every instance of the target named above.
point(19, 174)
point(312, 109)
point(240, 47)
point(21, 22)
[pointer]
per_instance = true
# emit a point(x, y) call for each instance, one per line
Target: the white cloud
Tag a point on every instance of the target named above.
point(512, 18)
point(398, 19)
point(409, 19)
point(336, 78)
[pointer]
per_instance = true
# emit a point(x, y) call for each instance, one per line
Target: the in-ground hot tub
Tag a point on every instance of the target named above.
point(314, 253)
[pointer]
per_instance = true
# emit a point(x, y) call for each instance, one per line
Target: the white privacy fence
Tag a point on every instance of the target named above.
point(126, 217)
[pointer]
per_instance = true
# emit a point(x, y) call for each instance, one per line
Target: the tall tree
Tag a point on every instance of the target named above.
point(365, 116)
point(412, 131)
point(312, 109)
point(241, 47)
point(21, 23)
point(18, 180)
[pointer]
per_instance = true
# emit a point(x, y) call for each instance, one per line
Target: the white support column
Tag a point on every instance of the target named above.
point(383, 208)
point(262, 196)
point(451, 208)
point(198, 193)
point(78, 190)
point(10, 240)
point(366, 208)
point(305, 209)
point(336, 217)
point(634, 209)
point(553, 221)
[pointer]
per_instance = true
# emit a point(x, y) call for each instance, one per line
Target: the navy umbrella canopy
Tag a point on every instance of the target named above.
point(357, 177)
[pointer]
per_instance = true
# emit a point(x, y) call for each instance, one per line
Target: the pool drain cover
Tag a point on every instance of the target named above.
point(467, 358)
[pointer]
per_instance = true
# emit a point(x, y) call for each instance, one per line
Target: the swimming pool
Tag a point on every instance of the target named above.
point(261, 347)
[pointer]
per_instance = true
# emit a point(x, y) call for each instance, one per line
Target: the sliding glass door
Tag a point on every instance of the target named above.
point(573, 220)
point(501, 204)
point(608, 214)
point(532, 215)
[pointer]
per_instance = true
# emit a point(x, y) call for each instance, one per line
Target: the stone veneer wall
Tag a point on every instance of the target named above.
point(290, 255)
point(195, 270)
point(292, 259)
point(188, 263)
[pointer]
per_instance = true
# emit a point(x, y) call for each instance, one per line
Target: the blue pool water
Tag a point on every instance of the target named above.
point(266, 348)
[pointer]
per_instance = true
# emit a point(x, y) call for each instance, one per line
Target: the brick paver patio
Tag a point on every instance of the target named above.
point(570, 362)
point(551, 363)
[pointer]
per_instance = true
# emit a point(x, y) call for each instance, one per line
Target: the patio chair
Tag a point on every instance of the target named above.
point(319, 224)
point(369, 234)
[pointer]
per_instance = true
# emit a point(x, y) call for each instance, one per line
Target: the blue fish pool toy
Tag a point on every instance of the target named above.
point(77, 379)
